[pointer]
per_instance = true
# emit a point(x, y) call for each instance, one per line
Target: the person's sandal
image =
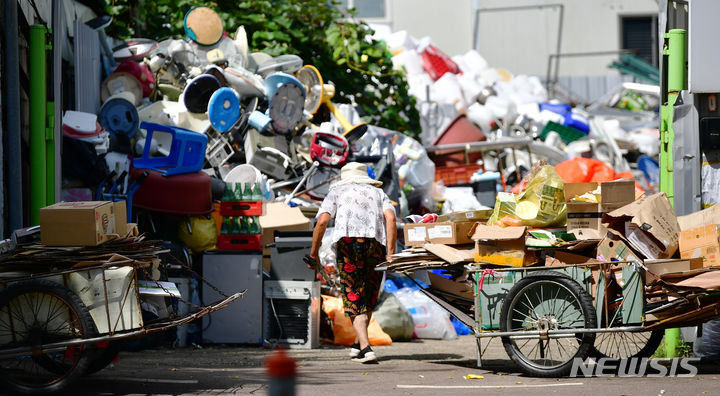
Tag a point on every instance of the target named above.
point(354, 350)
point(366, 356)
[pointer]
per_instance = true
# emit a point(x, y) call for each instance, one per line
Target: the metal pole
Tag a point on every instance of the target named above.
point(38, 108)
point(11, 99)
point(675, 51)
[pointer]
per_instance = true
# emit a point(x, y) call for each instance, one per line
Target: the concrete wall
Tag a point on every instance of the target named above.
point(520, 41)
point(448, 23)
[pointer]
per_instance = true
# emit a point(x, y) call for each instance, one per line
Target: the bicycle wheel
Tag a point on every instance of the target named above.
point(39, 312)
point(542, 301)
point(627, 344)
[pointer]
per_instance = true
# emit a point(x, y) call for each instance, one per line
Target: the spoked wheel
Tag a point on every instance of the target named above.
point(543, 301)
point(40, 312)
point(627, 344)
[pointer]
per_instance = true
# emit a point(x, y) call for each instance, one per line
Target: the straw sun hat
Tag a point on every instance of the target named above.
point(355, 172)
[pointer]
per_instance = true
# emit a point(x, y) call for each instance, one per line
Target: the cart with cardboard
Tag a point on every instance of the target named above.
point(63, 309)
point(574, 306)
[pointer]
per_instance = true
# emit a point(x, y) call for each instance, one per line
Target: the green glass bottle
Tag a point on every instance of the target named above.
point(238, 192)
point(226, 227)
point(244, 225)
point(257, 192)
point(228, 194)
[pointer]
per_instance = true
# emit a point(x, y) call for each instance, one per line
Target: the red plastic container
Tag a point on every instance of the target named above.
point(239, 242)
point(188, 193)
point(242, 208)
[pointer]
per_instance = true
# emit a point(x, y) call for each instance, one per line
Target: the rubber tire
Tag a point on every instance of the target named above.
point(103, 357)
point(86, 321)
point(648, 350)
point(586, 339)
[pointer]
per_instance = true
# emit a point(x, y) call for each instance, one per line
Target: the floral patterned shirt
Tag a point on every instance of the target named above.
point(357, 210)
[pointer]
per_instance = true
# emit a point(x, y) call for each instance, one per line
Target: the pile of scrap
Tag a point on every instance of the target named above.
point(39, 258)
point(552, 224)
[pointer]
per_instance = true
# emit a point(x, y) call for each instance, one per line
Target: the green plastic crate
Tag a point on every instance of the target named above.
point(567, 134)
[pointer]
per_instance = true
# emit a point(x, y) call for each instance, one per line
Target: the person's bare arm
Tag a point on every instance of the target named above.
point(318, 233)
point(390, 232)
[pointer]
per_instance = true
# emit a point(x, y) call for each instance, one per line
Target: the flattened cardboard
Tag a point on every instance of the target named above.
point(87, 223)
point(448, 233)
point(452, 255)
point(703, 242)
point(660, 267)
point(460, 289)
point(654, 216)
point(501, 245)
point(474, 215)
point(586, 217)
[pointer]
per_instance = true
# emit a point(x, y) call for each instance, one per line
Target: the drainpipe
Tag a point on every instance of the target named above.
point(11, 100)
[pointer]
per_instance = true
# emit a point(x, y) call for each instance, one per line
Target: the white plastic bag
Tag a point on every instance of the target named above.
point(431, 321)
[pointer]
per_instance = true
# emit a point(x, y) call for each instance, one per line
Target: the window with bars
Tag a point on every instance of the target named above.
point(640, 33)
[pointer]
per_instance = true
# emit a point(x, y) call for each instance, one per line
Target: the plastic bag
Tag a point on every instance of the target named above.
point(541, 204)
point(431, 321)
point(343, 329)
point(201, 236)
point(394, 318)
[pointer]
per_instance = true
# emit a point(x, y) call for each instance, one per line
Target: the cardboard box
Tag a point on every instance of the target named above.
point(468, 215)
point(703, 242)
point(281, 217)
point(448, 233)
point(80, 223)
point(648, 224)
point(501, 245)
point(614, 248)
point(586, 217)
point(707, 216)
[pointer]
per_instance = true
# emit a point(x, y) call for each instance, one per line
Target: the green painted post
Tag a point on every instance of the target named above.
point(38, 106)
point(675, 51)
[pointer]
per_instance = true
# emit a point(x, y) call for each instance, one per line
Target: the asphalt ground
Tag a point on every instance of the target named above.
point(420, 367)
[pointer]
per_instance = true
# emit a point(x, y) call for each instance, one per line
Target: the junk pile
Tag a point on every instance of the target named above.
point(618, 233)
point(215, 147)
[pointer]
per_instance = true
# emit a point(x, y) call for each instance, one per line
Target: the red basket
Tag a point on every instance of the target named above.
point(242, 208)
point(239, 242)
point(452, 175)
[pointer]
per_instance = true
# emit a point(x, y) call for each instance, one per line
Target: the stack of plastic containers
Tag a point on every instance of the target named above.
point(241, 208)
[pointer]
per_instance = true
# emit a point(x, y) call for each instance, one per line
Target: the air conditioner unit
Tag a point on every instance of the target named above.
point(291, 313)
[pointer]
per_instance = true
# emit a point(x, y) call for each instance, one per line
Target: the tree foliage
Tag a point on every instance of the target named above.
point(322, 34)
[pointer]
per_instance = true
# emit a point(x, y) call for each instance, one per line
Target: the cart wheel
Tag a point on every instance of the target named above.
point(39, 312)
point(547, 300)
point(103, 357)
point(627, 344)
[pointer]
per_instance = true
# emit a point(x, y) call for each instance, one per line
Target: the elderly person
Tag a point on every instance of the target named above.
point(365, 236)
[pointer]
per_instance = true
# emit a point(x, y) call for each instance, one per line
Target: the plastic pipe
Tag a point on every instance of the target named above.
point(38, 107)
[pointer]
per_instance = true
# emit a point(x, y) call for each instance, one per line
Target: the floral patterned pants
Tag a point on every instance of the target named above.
point(359, 282)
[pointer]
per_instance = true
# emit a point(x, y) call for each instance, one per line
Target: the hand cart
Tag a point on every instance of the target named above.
point(58, 325)
point(548, 316)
